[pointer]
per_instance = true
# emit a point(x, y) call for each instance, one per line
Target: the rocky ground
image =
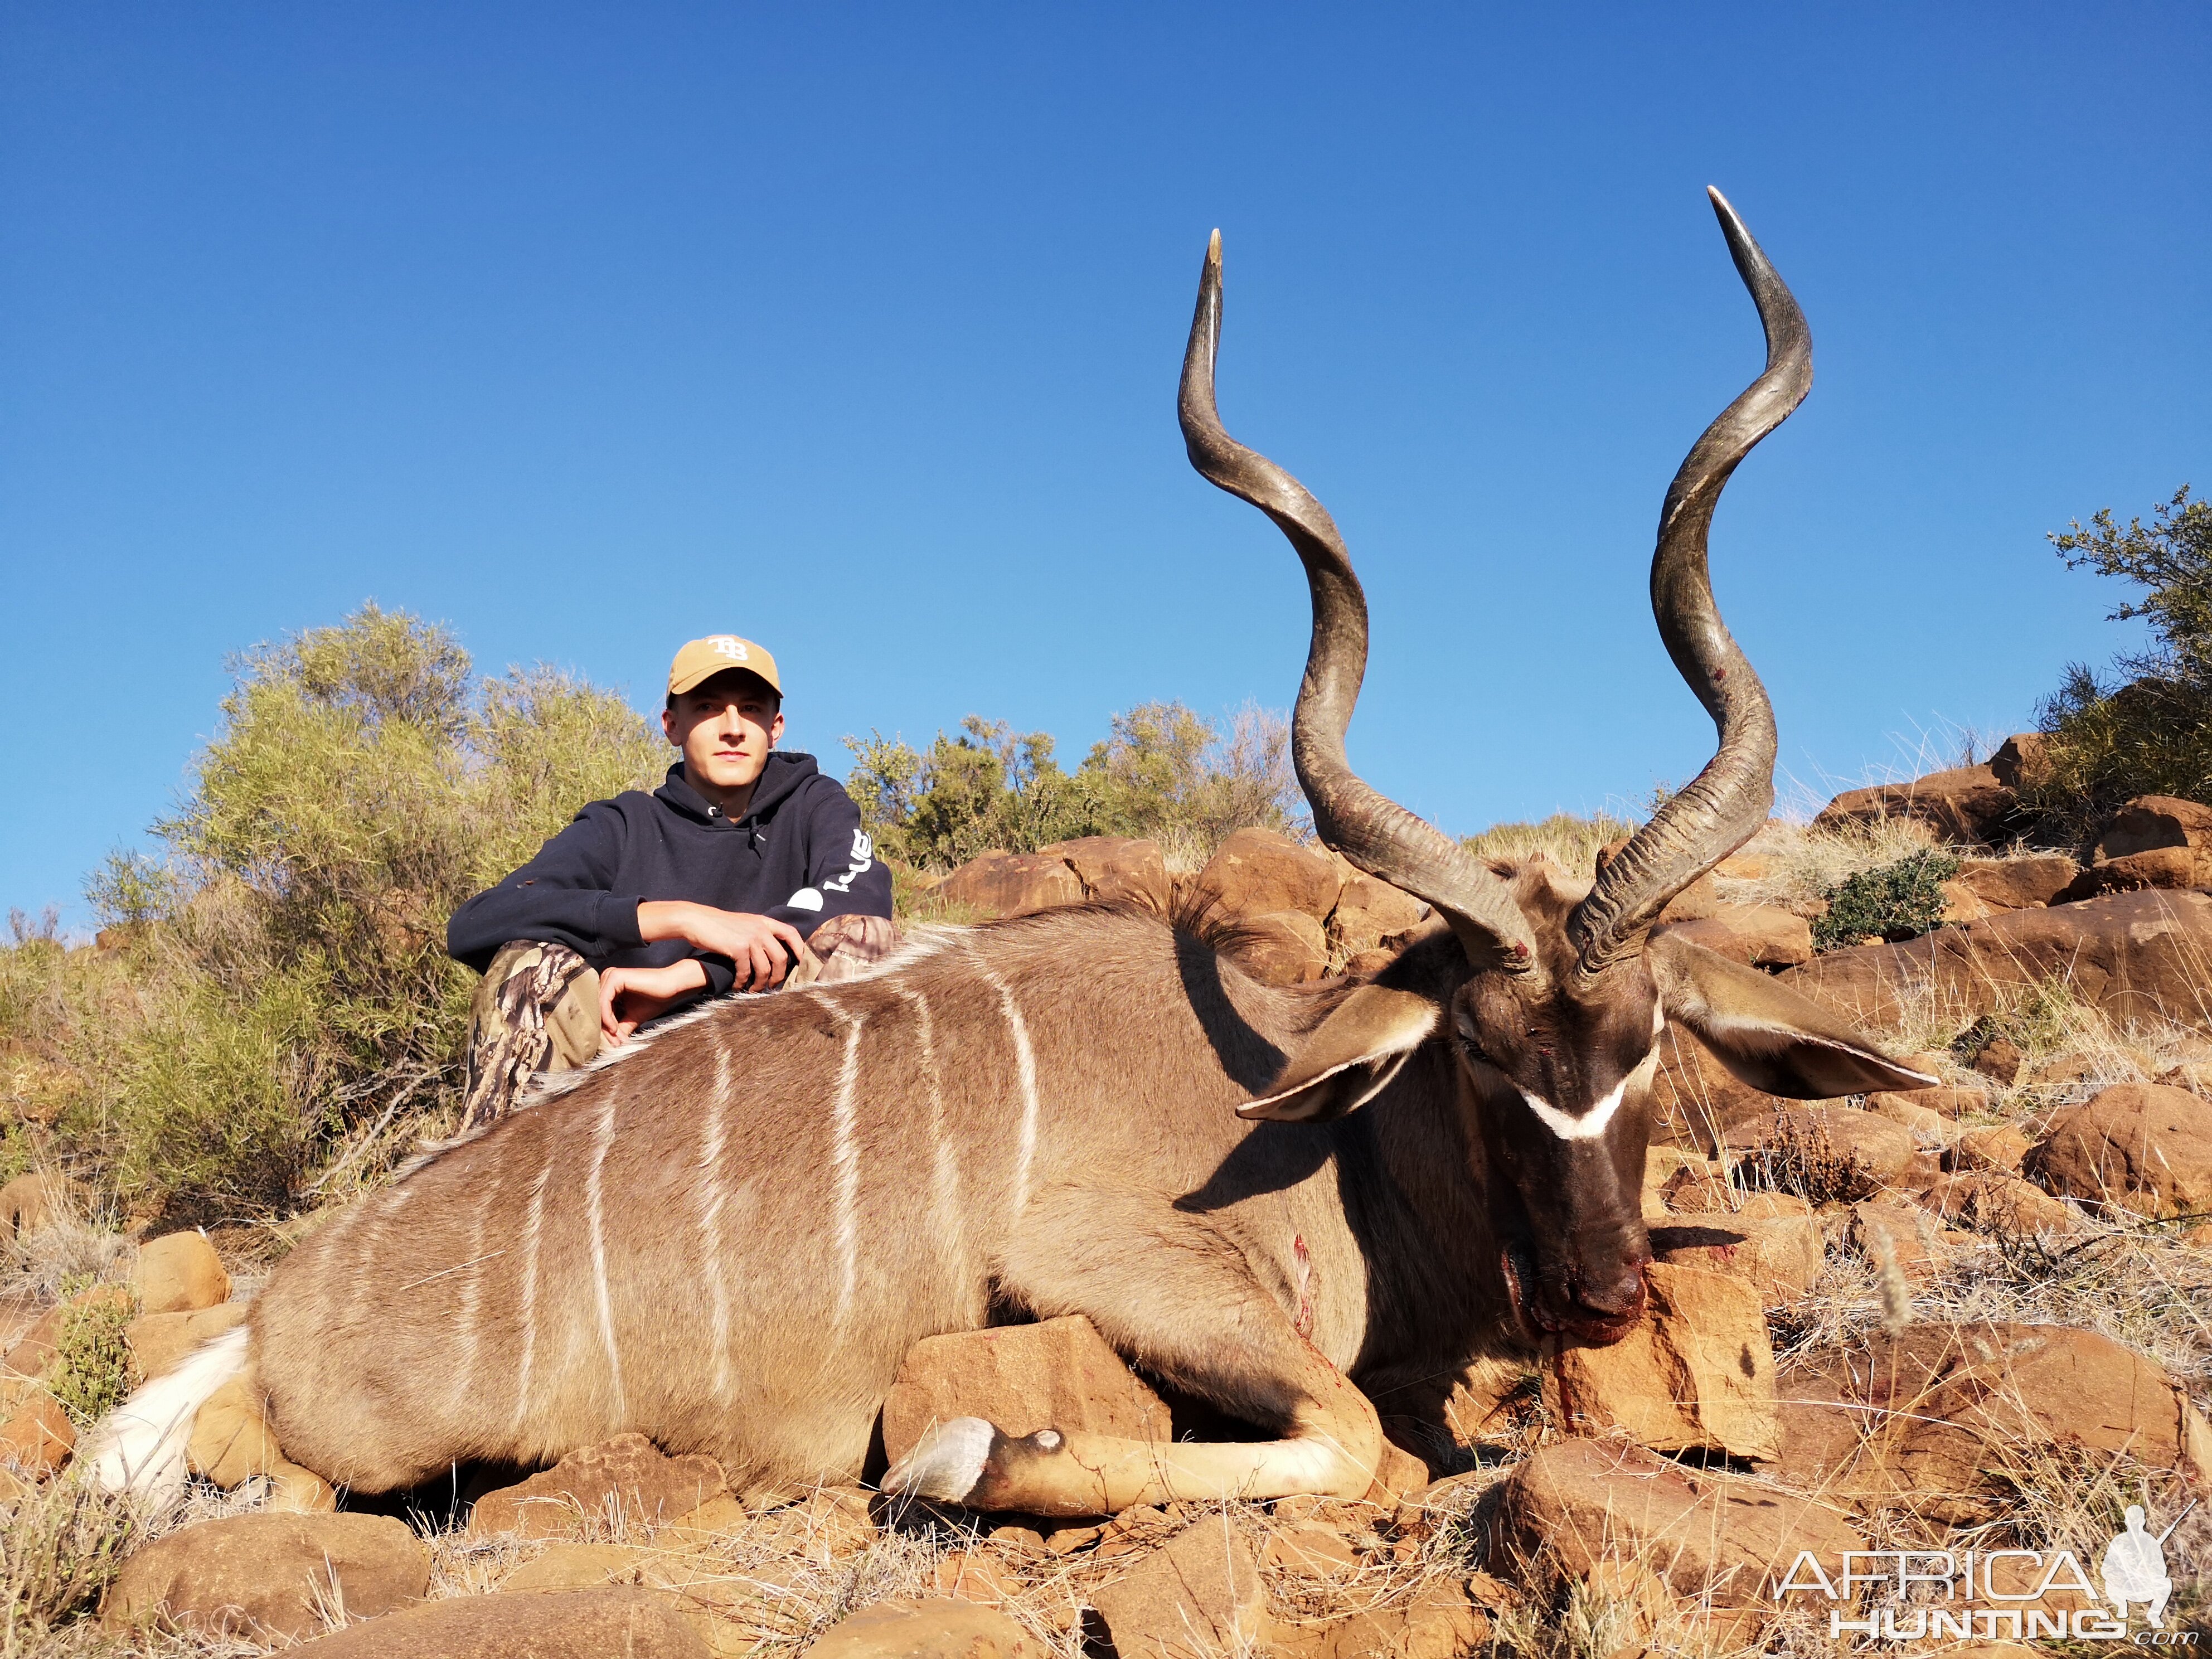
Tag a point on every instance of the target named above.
point(1976, 1317)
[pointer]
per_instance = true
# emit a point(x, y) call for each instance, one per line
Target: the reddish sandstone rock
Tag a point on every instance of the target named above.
point(1759, 935)
point(2018, 883)
point(1938, 1413)
point(1697, 1375)
point(1056, 1374)
point(1966, 803)
point(1724, 1539)
point(1773, 1243)
point(31, 1201)
point(1439, 1621)
point(2161, 867)
point(934, 1627)
point(179, 1274)
point(266, 1576)
point(1195, 1596)
point(2135, 1146)
point(1370, 910)
point(1991, 1201)
point(567, 1566)
point(2137, 956)
point(158, 1342)
point(38, 1438)
point(2152, 823)
point(2000, 1148)
point(1853, 1153)
point(1120, 869)
point(1283, 947)
point(633, 1623)
point(1258, 873)
point(1697, 1101)
point(1012, 884)
point(627, 1473)
point(231, 1441)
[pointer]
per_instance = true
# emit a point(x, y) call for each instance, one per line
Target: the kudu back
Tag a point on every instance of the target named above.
point(728, 1234)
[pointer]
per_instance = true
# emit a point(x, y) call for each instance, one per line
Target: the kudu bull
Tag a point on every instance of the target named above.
point(728, 1236)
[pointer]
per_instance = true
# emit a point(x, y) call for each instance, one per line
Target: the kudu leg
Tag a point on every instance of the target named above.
point(1181, 1295)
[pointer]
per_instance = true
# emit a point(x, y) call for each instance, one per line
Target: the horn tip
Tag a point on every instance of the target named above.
point(1213, 248)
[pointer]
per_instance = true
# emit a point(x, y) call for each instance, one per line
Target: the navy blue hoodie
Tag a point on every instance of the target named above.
point(798, 854)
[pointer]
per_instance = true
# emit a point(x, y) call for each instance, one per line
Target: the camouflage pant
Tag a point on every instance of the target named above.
point(538, 1009)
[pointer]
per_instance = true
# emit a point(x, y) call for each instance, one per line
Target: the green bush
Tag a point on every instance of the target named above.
point(1163, 771)
point(285, 982)
point(2145, 730)
point(1897, 901)
point(90, 1372)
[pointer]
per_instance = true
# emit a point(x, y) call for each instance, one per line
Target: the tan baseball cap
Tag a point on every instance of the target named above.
point(703, 660)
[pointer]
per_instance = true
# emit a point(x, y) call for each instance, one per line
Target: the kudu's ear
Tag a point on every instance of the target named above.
point(1766, 1033)
point(1348, 1058)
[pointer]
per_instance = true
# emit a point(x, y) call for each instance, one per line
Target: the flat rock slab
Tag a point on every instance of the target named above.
point(627, 1473)
point(1937, 1415)
point(2145, 955)
point(1697, 1374)
point(1722, 1539)
point(2140, 1146)
point(1196, 1595)
point(1056, 1374)
point(268, 1578)
point(1774, 1243)
point(934, 1628)
point(613, 1624)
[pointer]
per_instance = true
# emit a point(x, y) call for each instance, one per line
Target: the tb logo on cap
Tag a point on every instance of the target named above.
point(725, 646)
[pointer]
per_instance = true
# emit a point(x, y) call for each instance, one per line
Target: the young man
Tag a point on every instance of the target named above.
point(746, 867)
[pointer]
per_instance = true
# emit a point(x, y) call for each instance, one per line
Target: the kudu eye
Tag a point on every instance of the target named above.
point(1463, 1025)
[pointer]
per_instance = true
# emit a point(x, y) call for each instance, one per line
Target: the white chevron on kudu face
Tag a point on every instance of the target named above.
point(1592, 1124)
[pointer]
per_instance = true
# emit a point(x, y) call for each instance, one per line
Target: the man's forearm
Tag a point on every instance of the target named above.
point(665, 919)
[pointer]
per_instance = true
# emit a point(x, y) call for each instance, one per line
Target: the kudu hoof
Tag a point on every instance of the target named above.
point(961, 1461)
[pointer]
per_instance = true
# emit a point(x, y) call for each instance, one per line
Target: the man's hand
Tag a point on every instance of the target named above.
point(762, 948)
point(630, 996)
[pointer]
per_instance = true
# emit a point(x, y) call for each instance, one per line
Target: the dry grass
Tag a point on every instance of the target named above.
point(60, 1544)
point(1569, 840)
point(1793, 865)
point(77, 1245)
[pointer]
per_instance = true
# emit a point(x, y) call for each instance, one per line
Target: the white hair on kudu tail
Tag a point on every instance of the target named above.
point(139, 1447)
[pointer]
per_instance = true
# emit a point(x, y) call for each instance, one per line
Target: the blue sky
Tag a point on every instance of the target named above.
point(589, 329)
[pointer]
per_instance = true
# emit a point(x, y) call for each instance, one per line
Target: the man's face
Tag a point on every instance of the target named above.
point(726, 727)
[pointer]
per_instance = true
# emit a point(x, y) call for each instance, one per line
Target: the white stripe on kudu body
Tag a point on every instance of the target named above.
point(472, 1295)
point(845, 1158)
point(1025, 1070)
point(712, 1185)
point(946, 1197)
point(601, 1140)
point(532, 1222)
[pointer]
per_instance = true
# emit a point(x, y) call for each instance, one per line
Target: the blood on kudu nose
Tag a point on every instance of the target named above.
point(1617, 1294)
